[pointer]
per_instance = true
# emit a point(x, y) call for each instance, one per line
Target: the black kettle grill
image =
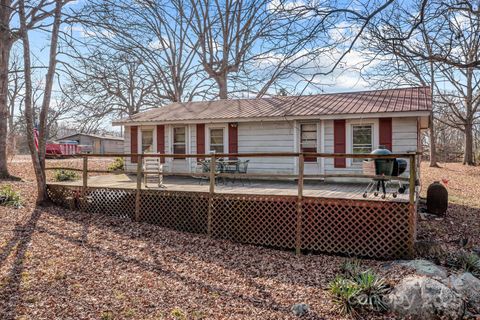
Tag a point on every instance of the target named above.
point(384, 169)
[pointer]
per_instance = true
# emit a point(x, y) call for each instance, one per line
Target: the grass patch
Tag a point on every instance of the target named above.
point(10, 197)
point(64, 175)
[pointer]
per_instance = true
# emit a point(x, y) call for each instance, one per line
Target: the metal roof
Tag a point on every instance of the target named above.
point(401, 100)
point(104, 137)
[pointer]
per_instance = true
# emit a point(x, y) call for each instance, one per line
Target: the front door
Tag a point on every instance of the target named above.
point(309, 138)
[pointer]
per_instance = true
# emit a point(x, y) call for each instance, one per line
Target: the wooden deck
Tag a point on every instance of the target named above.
point(260, 187)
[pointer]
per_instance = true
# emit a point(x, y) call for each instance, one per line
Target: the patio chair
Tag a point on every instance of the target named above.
point(152, 168)
point(242, 168)
point(205, 168)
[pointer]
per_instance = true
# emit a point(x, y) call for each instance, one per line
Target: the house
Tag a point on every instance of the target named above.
point(355, 122)
point(99, 144)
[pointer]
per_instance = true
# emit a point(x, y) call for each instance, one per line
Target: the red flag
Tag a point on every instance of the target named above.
point(35, 135)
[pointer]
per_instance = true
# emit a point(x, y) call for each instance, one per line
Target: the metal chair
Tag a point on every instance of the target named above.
point(205, 168)
point(242, 168)
point(152, 168)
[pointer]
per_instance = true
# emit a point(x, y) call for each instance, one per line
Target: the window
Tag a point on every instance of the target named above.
point(216, 140)
point(362, 136)
point(147, 141)
point(179, 141)
point(308, 140)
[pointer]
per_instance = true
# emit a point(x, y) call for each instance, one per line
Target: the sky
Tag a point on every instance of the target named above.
point(345, 78)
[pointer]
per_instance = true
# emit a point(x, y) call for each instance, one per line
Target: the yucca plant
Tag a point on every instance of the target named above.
point(345, 294)
point(351, 268)
point(372, 290)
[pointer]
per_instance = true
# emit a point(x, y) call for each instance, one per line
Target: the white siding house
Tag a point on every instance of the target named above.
point(330, 123)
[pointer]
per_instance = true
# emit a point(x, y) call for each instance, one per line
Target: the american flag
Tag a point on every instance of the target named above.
point(35, 136)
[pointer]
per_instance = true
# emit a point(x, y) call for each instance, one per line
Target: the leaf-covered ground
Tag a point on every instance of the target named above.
point(60, 264)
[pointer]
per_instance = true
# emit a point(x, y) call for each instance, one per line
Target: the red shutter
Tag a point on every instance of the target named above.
point(134, 142)
point(385, 133)
point(233, 138)
point(339, 137)
point(200, 139)
point(161, 141)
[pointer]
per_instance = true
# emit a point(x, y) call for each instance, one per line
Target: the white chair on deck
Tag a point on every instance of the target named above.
point(152, 169)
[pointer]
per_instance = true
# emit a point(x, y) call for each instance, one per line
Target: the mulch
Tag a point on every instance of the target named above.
point(56, 263)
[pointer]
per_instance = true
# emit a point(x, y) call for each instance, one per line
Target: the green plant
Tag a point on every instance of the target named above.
point(351, 268)
point(372, 290)
point(178, 314)
point(345, 293)
point(358, 290)
point(10, 197)
point(469, 262)
point(64, 175)
point(107, 315)
point(117, 164)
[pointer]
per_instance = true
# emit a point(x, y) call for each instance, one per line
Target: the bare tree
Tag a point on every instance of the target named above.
point(450, 31)
point(38, 156)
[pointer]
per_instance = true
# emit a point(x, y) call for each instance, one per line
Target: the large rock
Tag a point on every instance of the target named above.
point(468, 286)
point(420, 297)
point(426, 268)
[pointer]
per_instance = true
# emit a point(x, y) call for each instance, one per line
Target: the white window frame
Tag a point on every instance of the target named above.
point(140, 137)
point(172, 139)
point(225, 136)
point(349, 133)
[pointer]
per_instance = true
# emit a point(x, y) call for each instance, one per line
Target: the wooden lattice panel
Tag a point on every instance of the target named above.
point(61, 195)
point(376, 229)
point(183, 211)
point(257, 219)
point(113, 202)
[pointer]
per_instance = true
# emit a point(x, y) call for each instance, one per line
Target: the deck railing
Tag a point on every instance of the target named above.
point(402, 234)
point(212, 175)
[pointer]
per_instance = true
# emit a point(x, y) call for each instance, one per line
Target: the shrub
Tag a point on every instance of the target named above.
point(64, 175)
point(10, 197)
point(345, 293)
point(372, 289)
point(117, 164)
point(358, 290)
point(467, 261)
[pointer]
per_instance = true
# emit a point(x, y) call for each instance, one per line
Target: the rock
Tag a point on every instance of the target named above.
point(300, 309)
point(426, 268)
point(420, 297)
point(468, 286)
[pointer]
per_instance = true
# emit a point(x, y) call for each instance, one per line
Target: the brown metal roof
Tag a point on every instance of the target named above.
point(377, 101)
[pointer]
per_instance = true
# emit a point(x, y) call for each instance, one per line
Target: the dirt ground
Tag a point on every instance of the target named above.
point(60, 264)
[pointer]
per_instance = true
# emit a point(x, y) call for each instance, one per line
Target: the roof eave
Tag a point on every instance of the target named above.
point(396, 114)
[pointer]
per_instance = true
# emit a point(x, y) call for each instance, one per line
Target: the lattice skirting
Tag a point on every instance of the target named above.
point(376, 229)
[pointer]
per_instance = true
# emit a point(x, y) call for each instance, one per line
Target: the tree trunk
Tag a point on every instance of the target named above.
point(433, 144)
point(5, 46)
point(468, 151)
point(222, 87)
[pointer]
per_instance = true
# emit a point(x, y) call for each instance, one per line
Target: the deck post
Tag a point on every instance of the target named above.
point(84, 176)
point(211, 194)
point(298, 231)
point(413, 178)
point(139, 187)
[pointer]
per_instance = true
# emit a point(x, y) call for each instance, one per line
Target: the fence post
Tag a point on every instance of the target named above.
point(211, 193)
point(298, 230)
point(85, 176)
point(411, 205)
point(139, 187)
